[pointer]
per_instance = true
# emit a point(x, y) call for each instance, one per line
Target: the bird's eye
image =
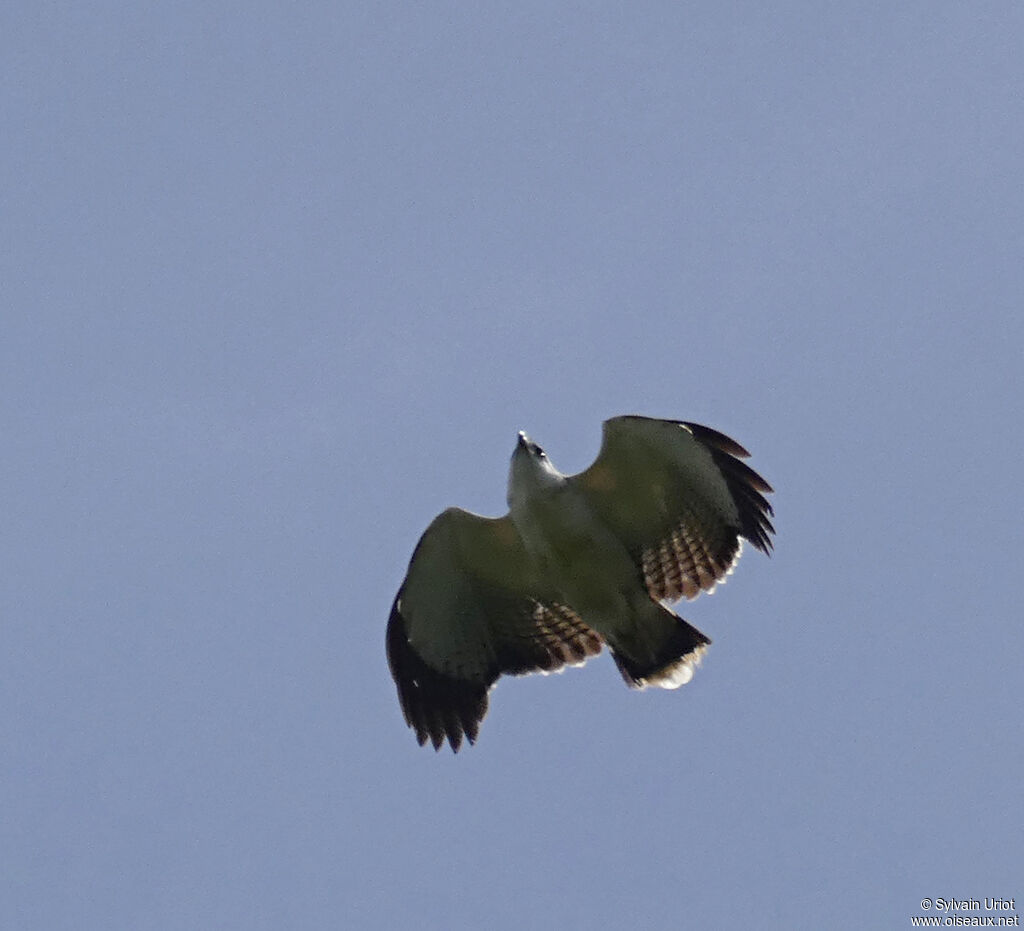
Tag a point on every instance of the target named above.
point(538, 450)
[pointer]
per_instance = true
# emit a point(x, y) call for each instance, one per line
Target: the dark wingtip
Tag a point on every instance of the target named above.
point(745, 485)
point(437, 707)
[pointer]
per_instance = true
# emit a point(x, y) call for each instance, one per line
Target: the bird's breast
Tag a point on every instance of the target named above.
point(576, 553)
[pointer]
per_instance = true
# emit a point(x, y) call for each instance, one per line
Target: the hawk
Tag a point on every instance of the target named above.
point(578, 561)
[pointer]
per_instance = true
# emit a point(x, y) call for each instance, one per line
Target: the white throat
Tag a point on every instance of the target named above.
point(529, 475)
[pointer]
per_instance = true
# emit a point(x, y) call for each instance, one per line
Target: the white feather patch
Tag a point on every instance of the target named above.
point(678, 673)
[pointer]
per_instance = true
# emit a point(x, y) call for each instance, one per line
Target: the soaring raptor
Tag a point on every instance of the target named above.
point(578, 561)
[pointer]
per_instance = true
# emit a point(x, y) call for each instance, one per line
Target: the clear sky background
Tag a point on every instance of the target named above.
point(281, 281)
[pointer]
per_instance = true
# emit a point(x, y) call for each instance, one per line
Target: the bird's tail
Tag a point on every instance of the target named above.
point(665, 656)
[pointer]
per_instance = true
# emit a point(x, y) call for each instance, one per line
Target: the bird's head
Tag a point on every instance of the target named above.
point(530, 471)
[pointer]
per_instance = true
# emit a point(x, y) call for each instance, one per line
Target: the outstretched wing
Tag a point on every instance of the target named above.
point(680, 499)
point(470, 609)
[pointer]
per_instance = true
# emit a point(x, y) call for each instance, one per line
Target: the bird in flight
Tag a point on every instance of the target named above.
point(578, 561)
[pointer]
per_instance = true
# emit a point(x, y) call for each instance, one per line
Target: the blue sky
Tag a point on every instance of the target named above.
point(280, 282)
